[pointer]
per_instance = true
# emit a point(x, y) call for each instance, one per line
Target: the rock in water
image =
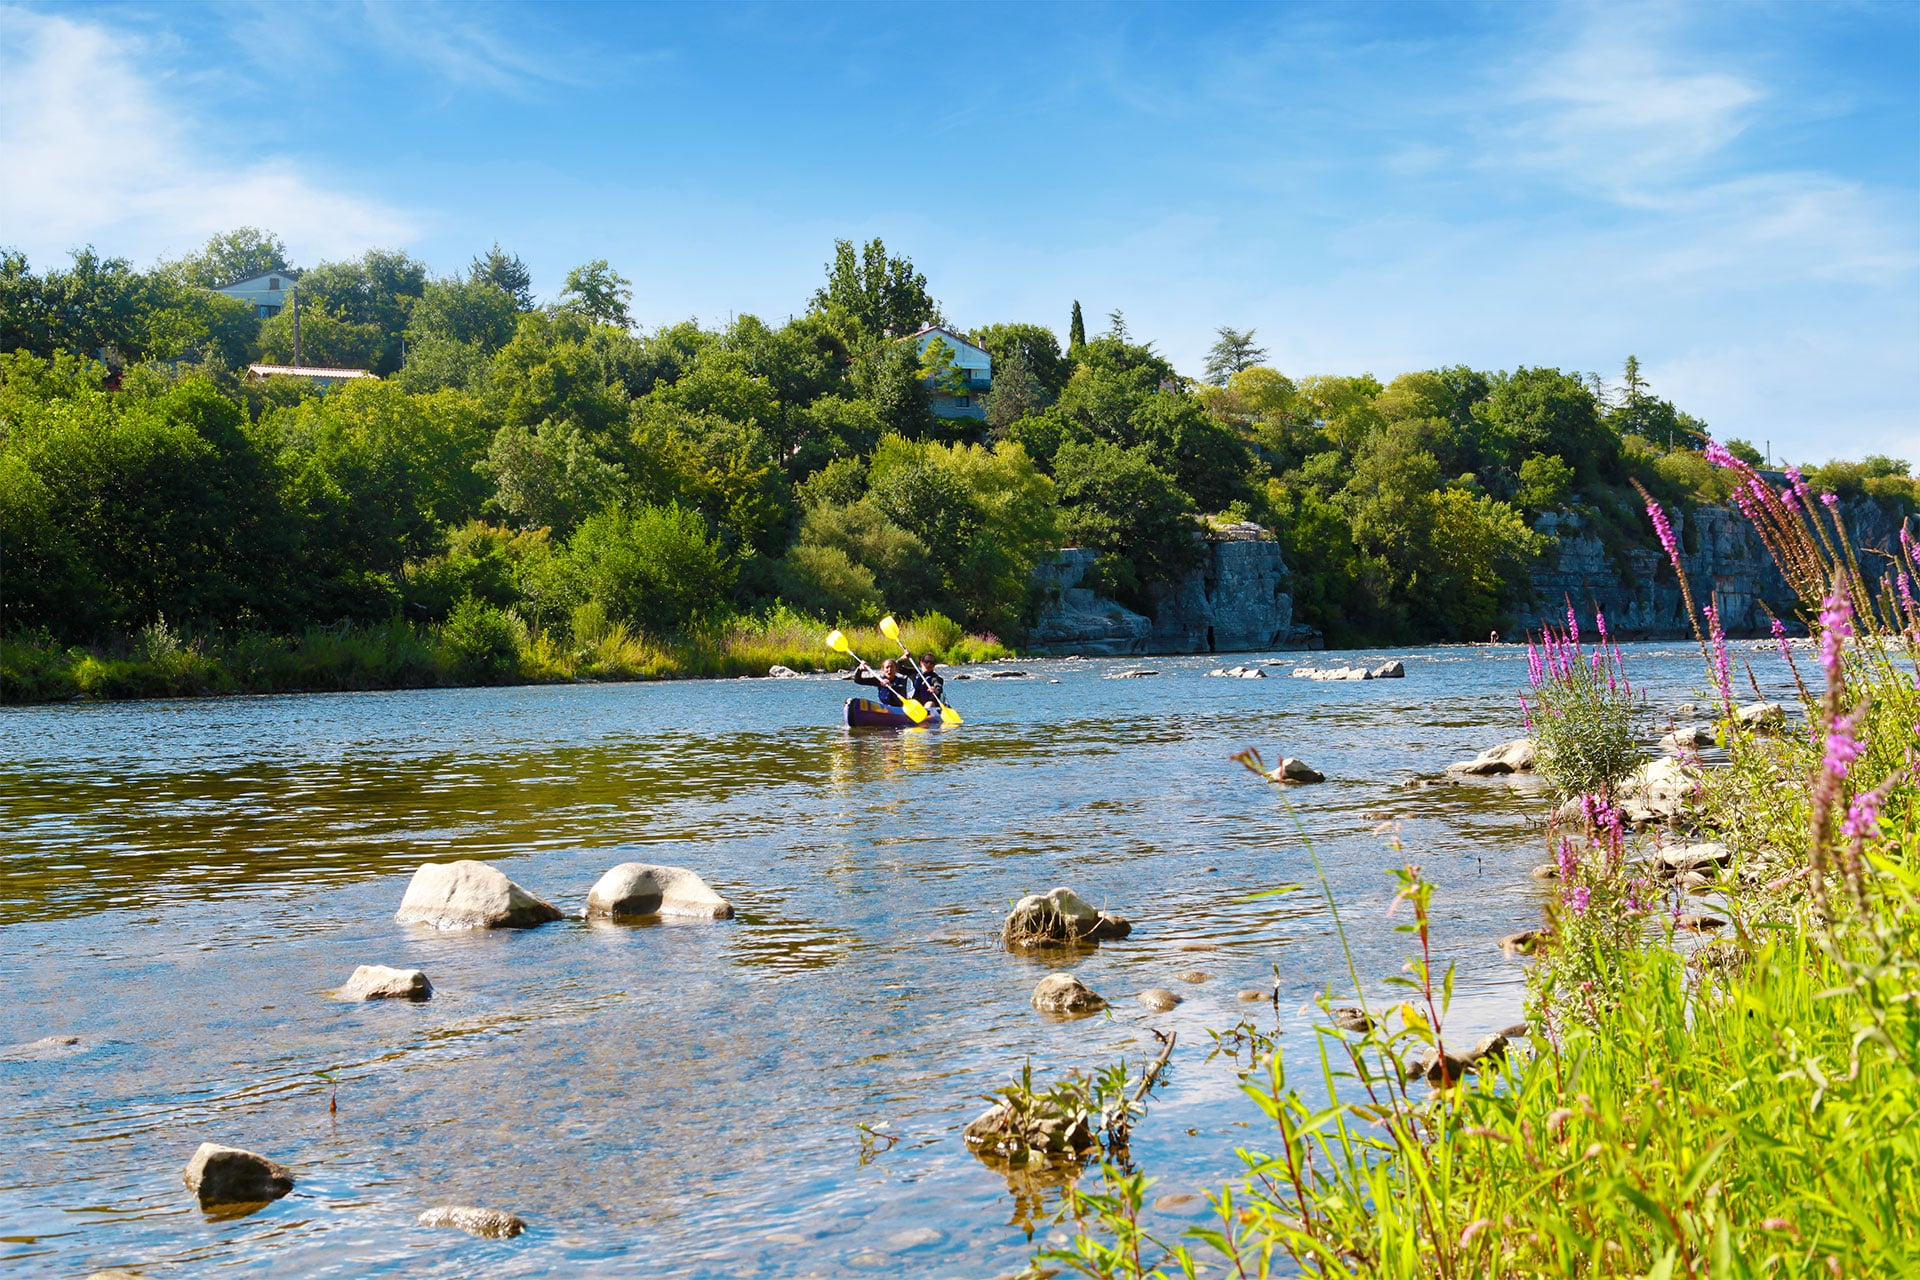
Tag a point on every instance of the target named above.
point(1688, 737)
point(1158, 999)
point(1762, 717)
point(227, 1175)
point(470, 895)
point(493, 1224)
point(1390, 670)
point(1348, 1018)
point(779, 672)
point(378, 982)
point(1517, 756)
point(1062, 993)
point(635, 889)
point(1060, 916)
point(1292, 770)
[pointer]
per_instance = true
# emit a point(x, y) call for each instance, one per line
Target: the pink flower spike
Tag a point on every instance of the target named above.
point(1600, 621)
point(1780, 638)
point(1843, 748)
point(1863, 817)
point(1832, 500)
point(1719, 457)
point(1836, 628)
point(1573, 627)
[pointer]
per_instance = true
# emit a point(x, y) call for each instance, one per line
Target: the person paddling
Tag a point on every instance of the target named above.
point(893, 684)
point(933, 686)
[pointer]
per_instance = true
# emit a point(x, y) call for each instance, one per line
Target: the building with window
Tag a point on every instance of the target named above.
point(266, 293)
point(976, 371)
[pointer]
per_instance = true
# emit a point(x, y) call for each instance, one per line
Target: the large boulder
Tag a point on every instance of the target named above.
point(1296, 771)
point(1761, 717)
point(1393, 669)
point(491, 1224)
point(1066, 995)
point(1676, 860)
point(1688, 737)
point(470, 895)
point(1060, 916)
point(1518, 756)
point(1159, 999)
point(220, 1175)
point(635, 889)
point(378, 982)
point(779, 672)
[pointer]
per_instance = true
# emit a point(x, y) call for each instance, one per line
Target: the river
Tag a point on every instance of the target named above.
point(186, 881)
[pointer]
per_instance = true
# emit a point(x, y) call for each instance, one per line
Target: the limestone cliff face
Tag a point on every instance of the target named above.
point(1235, 600)
point(1724, 559)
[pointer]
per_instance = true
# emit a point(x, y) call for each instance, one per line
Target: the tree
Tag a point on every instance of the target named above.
point(506, 273)
point(1545, 482)
point(1016, 392)
point(878, 294)
point(232, 256)
point(599, 293)
point(1232, 351)
point(1076, 331)
point(472, 311)
point(373, 293)
point(657, 568)
point(1035, 343)
point(1116, 501)
point(1117, 326)
point(549, 476)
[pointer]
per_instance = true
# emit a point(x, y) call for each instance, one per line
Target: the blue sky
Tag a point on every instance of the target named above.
point(1731, 192)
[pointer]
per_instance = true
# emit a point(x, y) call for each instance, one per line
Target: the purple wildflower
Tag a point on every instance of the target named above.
point(1664, 528)
point(1799, 483)
point(1600, 621)
point(1906, 592)
point(1526, 712)
point(1780, 638)
point(1722, 668)
point(1863, 817)
point(1535, 672)
point(1576, 896)
point(1836, 627)
point(1567, 860)
point(1573, 627)
point(1832, 500)
point(1843, 748)
point(1718, 455)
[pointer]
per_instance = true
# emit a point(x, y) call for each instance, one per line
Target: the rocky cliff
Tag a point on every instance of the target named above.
point(1235, 600)
point(1724, 559)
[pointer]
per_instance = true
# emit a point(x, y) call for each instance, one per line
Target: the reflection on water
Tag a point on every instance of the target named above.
point(186, 882)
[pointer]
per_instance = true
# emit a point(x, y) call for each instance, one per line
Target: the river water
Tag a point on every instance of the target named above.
point(186, 881)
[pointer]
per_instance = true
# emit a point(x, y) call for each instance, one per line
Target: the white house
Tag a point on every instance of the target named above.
point(975, 365)
point(322, 379)
point(266, 293)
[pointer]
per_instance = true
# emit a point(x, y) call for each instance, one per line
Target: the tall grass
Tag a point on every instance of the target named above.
point(479, 644)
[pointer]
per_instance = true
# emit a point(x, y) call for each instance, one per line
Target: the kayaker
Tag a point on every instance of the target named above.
point(892, 683)
point(933, 685)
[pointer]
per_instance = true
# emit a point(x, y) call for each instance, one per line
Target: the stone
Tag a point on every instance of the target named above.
point(1518, 756)
point(1678, 859)
point(220, 1175)
point(1193, 977)
point(489, 1224)
point(1440, 1069)
point(1761, 717)
point(470, 895)
point(1719, 959)
point(779, 672)
point(1137, 673)
point(1198, 946)
point(1518, 1031)
point(1415, 784)
point(1686, 709)
point(1546, 871)
point(1695, 923)
point(1005, 675)
point(1524, 943)
point(116, 1273)
point(1158, 999)
point(1488, 1047)
point(1688, 737)
point(1253, 995)
point(378, 982)
point(1175, 1202)
point(1296, 771)
point(1075, 618)
point(636, 889)
point(1393, 670)
point(1060, 916)
point(1348, 1018)
point(1064, 994)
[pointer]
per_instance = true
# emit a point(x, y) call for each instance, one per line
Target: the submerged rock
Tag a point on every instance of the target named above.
point(220, 1175)
point(1446, 1069)
point(1348, 1018)
point(1253, 995)
point(1296, 771)
point(1193, 977)
point(492, 1224)
point(1066, 995)
point(1060, 916)
point(470, 895)
point(1524, 943)
point(1158, 999)
point(378, 982)
point(779, 672)
point(1137, 673)
point(636, 889)
point(1676, 860)
point(1518, 756)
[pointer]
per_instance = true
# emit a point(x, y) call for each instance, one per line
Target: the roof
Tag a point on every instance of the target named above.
point(288, 272)
point(306, 371)
point(950, 336)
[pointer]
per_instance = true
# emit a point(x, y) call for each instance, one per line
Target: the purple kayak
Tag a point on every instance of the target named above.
point(865, 713)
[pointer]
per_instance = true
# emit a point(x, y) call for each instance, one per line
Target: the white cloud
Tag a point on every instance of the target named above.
point(94, 152)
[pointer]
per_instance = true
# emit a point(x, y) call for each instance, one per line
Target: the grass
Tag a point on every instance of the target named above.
point(164, 663)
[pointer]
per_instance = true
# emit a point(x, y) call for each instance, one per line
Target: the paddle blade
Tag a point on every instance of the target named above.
point(890, 629)
point(916, 712)
point(949, 716)
point(836, 642)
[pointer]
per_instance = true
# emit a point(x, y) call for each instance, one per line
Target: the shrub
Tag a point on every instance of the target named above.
point(657, 568)
point(1584, 724)
point(481, 642)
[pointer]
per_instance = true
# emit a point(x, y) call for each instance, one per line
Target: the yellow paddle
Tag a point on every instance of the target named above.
point(838, 643)
point(891, 630)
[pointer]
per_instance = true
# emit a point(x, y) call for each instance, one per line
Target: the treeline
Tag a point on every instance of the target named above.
point(545, 460)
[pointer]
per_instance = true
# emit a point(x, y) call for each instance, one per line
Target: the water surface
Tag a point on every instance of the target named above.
point(186, 881)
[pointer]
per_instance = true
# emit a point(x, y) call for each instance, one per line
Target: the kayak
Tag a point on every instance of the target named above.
point(864, 713)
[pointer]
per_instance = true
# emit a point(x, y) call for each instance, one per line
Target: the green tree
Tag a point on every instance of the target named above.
point(505, 272)
point(1016, 393)
point(1076, 332)
point(1232, 350)
point(1545, 482)
point(549, 476)
point(1546, 411)
point(475, 312)
point(231, 256)
point(1117, 502)
point(1033, 343)
point(371, 296)
point(656, 568)
point(599, 293)
point(877, 294)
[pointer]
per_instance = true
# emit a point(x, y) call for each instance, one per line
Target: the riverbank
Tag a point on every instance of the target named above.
point(479, 645)
point(1720, 1071)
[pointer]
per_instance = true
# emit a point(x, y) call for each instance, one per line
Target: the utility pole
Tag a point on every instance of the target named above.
point(295, 295)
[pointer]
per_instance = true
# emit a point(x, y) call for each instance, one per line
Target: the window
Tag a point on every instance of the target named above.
point(965, 402)
point(274, 283)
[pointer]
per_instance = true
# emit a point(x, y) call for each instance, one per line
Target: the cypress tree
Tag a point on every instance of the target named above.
point(1077, 331)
